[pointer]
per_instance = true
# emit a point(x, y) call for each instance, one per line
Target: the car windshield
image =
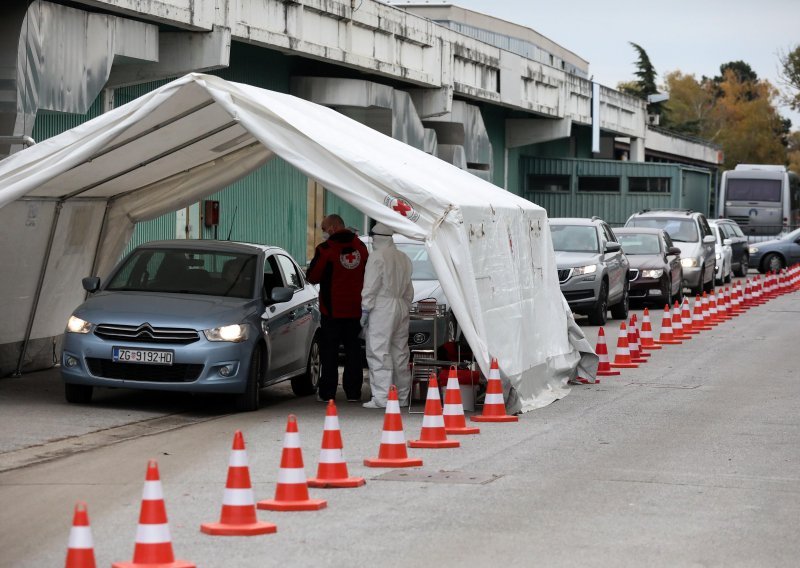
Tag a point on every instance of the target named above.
point(574, 238)
point(422, 269)
point(680, 230)
point(186, 272)
point(639, 244)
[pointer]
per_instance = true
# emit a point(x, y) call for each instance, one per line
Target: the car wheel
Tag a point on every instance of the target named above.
point(306, 384)
point(620, 311)
point(250, 399)
point(667, 293)
point(772, 262)
point(598, 314)
point(78, 394)
point(744, 266)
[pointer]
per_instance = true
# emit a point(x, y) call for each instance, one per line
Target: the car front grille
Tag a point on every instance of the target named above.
point(578, 295)
point(108, 369)
point(146, 333)
point(564, 274)
point(633, 274)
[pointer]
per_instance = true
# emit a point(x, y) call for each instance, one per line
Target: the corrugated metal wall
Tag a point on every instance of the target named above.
point(613, 207)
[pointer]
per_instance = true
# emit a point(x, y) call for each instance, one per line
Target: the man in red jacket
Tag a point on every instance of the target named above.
point(338, 268)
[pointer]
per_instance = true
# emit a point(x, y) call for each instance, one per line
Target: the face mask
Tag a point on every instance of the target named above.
point(325, 235)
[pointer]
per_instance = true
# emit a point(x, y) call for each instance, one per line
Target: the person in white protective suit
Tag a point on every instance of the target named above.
point(385, 303)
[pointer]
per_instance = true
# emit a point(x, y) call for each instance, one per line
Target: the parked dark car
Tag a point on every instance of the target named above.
point(777, 253)
point(740, 254)
point(655, 270)
point(195, 316)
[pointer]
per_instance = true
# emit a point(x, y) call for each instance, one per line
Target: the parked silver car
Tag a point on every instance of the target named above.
point(592, 269)
point(690, 232)
point(195, 316)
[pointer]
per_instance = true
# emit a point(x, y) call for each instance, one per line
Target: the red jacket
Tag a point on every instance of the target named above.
point(338, 268)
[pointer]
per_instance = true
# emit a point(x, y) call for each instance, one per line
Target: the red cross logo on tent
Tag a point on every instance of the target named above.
point(350, 258)
point(402, 207)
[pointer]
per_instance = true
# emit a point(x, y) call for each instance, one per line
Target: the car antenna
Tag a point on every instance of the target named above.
point(232, 220)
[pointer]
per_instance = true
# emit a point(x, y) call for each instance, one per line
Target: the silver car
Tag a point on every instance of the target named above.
point(195, 316)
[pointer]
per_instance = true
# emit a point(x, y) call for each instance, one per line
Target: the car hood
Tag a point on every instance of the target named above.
point(689, 250)
point(167, 310)
point(645, 261)
point(428, 289)
point(573, 259)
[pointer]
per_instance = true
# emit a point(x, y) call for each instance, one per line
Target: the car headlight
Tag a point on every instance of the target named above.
point(77, 325)
point(233, 333)
point(689, 262)
point(753, 250)
point(655, 273)
point(719, 255)
point(591, 269)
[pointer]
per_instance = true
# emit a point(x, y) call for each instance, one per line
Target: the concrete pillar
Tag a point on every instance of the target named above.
point(637, 150)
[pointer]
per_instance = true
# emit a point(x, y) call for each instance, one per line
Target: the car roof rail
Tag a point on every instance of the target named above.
point(596, 218)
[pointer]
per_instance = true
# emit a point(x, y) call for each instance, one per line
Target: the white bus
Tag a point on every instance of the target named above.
point(764, 200)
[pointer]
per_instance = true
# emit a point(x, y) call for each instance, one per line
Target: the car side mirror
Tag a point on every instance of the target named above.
point(281, 294)
point(727, 242)
point(709, 239)
point(674, 250)
point(613, 247)
point(91, 283)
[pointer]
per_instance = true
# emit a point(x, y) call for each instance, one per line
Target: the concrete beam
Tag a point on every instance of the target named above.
point(524, 131)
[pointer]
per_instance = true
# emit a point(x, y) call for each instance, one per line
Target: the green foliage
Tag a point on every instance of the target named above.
point(790, 75)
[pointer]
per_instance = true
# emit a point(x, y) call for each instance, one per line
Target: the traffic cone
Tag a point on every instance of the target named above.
point(698, 316)
point(647, 333)
point(392, 452)
point(637, 356)
point(433, 434)
point(686, 318)
point(665, 336)
point(494, 407)
point(454, 421)
point(153, 542)
point(80, 550)
point(622, 357)
point(722, 304)
point(332, 469)
point(604, 366)
point(677, 323)
point(713, 312)
point(238, 516)
point(291, 491)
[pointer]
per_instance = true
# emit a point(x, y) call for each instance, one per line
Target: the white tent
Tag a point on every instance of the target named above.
point(68, 207)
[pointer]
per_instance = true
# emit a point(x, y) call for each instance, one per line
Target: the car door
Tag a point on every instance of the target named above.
point(301, 322)
point(737, 243)
point(709, 255)
point(616, 264)
point(276, 322)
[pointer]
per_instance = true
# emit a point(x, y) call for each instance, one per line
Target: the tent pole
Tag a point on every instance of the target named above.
point(39, 286)
point(100, 237)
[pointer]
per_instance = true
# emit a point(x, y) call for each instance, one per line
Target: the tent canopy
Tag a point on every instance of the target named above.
point(74, 199)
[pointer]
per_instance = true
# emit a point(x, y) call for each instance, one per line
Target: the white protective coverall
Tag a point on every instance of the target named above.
point(386, 297)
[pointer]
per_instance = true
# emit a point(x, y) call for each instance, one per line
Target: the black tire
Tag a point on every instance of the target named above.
point(620, 311)
point(668, 298)
point(78, 394)
point(598, 314)
point(250, 399)
point(307, 383)
point(744, 266)
point(772, 262)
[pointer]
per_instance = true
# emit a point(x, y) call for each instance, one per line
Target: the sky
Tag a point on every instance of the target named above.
point(693, 36)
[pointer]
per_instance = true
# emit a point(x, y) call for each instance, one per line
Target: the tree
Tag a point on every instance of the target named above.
point(790, 76)
point(645, 72)
point(793, 151)
point(689, 106)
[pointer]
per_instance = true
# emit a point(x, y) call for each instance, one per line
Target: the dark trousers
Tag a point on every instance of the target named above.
point(335, 332)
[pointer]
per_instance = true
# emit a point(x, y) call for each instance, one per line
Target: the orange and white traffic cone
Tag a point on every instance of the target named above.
point(291, 491)
point(332, 469)
point(604, 366)
point(238, 516)
point(494, 406)
point(454, 421)
point(698, 315)
point(433, 434)
point(647, 333)
point(153, 542)
point(80, 550)
point(622, 356)
point(637, 356)
point(686, 318)
point(392, 452)
point(665, 336)
point(677, 323)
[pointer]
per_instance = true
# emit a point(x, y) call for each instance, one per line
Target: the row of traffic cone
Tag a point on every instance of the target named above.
point(153, 546)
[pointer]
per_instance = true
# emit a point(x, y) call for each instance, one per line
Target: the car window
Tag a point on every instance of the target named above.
point(667, 241)
point(704, 228)
point(717, 232)
point(640, 244)
point(727, 229)
point(683, 230)
point(272, 275)
point(608, 233)
point(737, 230)
point(291, 274)
point(574, 238)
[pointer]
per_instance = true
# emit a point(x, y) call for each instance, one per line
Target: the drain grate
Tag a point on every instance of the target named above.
point(453, 477)
point(664, 386)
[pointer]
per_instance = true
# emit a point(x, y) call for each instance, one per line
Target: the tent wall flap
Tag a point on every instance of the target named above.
point(491, 249)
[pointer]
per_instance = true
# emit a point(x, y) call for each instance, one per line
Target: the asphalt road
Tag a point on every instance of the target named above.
point(691, 460)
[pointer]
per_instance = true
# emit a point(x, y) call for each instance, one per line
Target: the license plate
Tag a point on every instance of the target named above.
point(145, 356)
